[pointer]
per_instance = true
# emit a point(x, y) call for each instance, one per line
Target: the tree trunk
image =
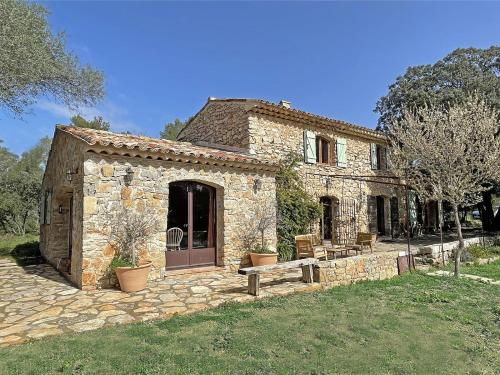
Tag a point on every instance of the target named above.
point(486, 207)
point(461, 246)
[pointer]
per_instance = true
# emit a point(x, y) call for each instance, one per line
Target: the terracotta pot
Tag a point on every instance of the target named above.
point(133, 279)
point(263, 259)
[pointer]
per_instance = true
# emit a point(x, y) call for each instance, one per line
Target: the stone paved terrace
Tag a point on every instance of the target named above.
point(35, 301)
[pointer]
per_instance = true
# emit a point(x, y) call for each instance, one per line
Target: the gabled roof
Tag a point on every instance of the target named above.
point(279, 111)
point(155, 148)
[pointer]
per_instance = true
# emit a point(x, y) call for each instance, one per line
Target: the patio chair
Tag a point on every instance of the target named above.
point(363, 241)
point(174, 238)
point(309, 246)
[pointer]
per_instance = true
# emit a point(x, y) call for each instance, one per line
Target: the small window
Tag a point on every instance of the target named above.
point(378, 157)
point(323, 150)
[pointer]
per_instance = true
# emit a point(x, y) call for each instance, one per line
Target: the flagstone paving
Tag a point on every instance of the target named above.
point(35, 301)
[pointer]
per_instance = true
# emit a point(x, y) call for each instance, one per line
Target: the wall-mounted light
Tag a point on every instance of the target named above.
point(60, 209)
point(129, 176)
point(257, 185)
point(70, 173)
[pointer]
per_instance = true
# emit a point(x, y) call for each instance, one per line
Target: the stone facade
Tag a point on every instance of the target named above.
point(105, 190)
point(64, 181)
point(274, 135)
point(98, 185)
point(358, 268)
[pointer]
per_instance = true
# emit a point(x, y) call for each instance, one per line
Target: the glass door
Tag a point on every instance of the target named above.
point(192, 208)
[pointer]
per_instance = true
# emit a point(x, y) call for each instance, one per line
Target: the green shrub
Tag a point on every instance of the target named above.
point(262, 250)
point(478, 251)
point(120, 262)
point(297, 210)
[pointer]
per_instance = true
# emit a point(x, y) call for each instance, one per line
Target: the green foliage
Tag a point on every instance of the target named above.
point(34, 61)
point(120, 262)
point(261, 250)
point(172, 129)
point(97, 123)
point(450, 80)
point(478, 251)
point(12, 245)
point(20, 189)
point(297, 210)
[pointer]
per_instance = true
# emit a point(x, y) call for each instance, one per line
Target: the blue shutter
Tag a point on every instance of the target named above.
point(309, 147)
point(341, 152)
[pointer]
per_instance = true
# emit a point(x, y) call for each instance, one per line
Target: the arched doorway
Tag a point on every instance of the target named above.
point(191, 207)
point(326, 225)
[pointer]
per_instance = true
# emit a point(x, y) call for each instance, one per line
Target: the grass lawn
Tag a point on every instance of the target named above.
point(491, 270)
point(19, 247)
point(414, 324)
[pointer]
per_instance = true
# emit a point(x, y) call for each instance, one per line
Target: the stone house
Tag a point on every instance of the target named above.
point(343, 165)
point(209, 183)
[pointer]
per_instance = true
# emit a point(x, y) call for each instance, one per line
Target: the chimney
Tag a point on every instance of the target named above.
point(285, 103)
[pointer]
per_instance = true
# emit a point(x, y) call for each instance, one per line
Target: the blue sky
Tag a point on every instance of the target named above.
point(162, 60)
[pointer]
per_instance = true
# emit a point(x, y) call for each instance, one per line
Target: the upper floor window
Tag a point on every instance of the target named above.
point(378, 156)
point(323, 151)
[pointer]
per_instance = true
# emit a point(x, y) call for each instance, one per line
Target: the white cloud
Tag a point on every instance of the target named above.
point(117, 116)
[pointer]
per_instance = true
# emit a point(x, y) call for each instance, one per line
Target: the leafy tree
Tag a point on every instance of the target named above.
point(20, 189)
point(97, 123)
point(172, 129)
point(297, 210)
point(34, 62)
point(450, 80)
point(448, 153)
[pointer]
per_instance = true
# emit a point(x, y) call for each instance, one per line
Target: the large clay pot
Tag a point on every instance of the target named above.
point(133, 279)
point(263, 259)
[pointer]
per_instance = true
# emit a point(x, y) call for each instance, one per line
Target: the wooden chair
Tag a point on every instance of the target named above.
point(174, 238)
point(363, 241)
point(309, 246)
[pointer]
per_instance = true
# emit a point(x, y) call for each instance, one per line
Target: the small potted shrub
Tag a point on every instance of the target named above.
point(128, 230)
point(262, 256)
point(253, 235)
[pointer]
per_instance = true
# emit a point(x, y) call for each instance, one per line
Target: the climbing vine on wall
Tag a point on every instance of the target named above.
point(297, 210)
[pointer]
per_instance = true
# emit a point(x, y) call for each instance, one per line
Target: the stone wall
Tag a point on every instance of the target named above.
point(222, 123)
point(66, 155)
point(350, 270)
point(276, 138)
point(432, 254)
point(228, 122)
point(105, 189)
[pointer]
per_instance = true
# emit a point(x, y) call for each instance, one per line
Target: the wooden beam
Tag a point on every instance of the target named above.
point(254, 284)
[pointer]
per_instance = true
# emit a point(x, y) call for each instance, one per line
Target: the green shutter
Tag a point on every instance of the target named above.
point(412, 206)
point(309, 147)
point(373, 155)
point(341, 152)
point(42, 209)
point(48, 207)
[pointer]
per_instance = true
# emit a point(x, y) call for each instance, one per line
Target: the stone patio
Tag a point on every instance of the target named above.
point(35, 301)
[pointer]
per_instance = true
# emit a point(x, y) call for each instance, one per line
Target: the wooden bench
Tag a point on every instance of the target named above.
point(254, 272)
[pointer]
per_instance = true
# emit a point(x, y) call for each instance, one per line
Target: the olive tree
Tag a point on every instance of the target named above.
point(34, 62)
point(448, 153)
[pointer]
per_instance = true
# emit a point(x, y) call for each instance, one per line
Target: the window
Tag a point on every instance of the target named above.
point(378, 156)
point(323, 150)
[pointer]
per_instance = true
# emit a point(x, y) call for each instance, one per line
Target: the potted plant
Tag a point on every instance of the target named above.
point(128, 230)
point(262, 256)
point(254, 238)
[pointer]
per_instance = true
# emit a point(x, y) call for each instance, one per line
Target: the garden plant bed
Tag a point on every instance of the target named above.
point(409, 324)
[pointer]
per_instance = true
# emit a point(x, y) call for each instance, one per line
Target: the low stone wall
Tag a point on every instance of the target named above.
point(432, 253)
point(358, 268)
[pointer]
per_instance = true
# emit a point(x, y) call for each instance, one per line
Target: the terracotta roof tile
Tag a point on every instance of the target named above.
point(160, 146)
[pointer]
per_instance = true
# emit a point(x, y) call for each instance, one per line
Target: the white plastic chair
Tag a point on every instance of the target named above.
point(174, 238)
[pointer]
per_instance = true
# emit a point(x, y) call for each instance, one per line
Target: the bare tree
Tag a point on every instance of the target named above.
point(253, 233)
point(448, 153)
point(129, 228)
